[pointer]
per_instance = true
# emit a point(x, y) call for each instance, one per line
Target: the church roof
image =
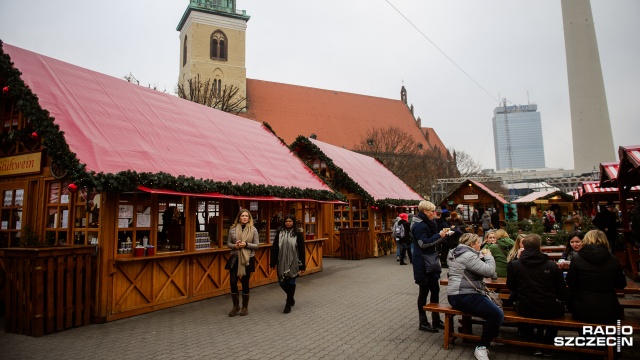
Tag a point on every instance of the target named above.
point(337, 118)
point(434, 141)
point(112, 126)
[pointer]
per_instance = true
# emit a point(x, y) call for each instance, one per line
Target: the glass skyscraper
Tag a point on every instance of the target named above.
point(523, 137)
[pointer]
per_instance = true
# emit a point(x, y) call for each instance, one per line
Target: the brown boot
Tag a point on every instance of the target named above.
point(236, 305)
point(245, 304)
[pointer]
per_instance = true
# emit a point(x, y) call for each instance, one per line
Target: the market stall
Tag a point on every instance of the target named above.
point(375, 196)
point(152, 181)
point(537, 202)
point(470, 195)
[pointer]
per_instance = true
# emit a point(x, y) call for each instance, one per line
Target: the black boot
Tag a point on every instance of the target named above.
point(424, 323)
point(292, 288)
point(436, 322)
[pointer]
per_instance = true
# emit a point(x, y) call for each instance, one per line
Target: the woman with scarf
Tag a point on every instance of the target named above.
point(288, 254)
point(426, 262)
point(243, 240)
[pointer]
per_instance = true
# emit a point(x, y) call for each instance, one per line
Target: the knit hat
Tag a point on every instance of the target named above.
point(404, 216)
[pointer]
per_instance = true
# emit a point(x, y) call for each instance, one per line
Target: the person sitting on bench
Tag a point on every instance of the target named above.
point(537, 290)
point(467, 269)
point(593, 277)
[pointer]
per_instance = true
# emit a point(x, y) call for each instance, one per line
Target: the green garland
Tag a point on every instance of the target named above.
point(57, 148)
point(341, 180)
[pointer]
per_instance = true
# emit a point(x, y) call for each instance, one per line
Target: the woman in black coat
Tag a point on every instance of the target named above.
point(593, 277)
point(288, 254)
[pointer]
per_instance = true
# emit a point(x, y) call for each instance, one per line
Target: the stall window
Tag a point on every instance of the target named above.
point(360, 213)
point(170, 224)
point(260, 213)
point(86, 217)
point(310, 219)
point(11, 218)
point(208, 225)
point(57, 212)
point(341, 216)
point(134, 221)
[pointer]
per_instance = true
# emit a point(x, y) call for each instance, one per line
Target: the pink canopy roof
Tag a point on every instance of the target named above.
point(113, 125)
point(369, 173)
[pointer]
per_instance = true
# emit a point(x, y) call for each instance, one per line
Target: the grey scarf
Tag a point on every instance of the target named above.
point(288, 255)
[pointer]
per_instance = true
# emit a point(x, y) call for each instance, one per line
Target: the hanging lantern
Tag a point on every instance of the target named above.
point(34, 135)
point(5, 90)
point(73, 187)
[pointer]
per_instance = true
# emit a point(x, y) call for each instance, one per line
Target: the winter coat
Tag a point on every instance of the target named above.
point(406, 240)
point(393, 227)
point(500, 255)
point(607, 220)
point(495, 220)
point(458, 222)
point(593, 277)
point(275, 249)
point(441, 222)
point(426, 240)
point(537, 286)
point(465, 260)
point(486, 221)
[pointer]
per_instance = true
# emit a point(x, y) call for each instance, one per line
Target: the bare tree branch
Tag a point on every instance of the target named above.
point(206, 93)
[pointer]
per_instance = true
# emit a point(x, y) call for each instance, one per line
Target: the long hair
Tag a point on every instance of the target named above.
point(567, 247)
point(293, 228)
point(513, 253)
point(595, 237)
point(237, 221)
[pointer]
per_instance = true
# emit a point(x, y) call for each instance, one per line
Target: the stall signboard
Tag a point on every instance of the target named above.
point(21, 164)
point(471, 197)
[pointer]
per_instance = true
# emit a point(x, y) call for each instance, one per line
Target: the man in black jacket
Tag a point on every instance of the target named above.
point(607, 222)
point(537, 287)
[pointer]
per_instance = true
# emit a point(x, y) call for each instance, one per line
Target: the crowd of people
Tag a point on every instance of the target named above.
point(584, 281)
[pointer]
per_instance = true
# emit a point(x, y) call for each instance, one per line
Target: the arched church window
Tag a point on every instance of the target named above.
point(184, 52)
point(218, 46)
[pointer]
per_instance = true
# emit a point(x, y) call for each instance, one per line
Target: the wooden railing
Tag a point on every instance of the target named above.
point(47, 289)
point(144, 284)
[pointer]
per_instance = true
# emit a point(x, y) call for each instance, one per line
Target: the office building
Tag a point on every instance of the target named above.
point(517, 137)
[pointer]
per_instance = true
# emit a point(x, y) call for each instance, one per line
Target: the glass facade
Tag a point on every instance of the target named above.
point(524, 137)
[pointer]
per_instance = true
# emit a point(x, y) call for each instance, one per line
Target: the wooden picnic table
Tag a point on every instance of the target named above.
point(552, 248)
point(633, 288)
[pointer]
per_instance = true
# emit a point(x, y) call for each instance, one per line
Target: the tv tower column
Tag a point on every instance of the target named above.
point(590, 124)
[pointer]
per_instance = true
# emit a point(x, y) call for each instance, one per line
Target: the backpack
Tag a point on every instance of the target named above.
point(398, 231)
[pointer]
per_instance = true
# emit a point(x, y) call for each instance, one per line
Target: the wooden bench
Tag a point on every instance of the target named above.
point(511, 316)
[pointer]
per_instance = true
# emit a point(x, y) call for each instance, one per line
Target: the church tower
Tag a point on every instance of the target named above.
point(212, 44)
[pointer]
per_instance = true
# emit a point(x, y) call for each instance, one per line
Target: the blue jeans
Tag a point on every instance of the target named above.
point(480, 306)
point(398, 248)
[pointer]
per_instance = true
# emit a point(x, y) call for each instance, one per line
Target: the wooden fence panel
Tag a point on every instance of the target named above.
point(48, 289)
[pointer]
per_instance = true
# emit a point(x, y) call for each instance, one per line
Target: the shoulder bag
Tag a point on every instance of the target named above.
point(492, 295)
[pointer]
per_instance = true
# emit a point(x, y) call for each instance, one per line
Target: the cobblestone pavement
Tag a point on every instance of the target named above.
point(352, 310)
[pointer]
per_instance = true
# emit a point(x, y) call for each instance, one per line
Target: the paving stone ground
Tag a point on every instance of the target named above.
point(352, 310)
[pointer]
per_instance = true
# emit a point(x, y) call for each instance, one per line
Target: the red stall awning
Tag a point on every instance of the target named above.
point(113, 125)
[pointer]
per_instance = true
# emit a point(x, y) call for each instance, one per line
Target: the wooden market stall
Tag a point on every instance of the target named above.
point(470, 195)
point(375, 196)
point(91, 160)
point(544, 200)
point(625, 178)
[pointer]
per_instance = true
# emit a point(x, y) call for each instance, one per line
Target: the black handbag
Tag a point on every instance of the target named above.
point(231, 262)
point(431, 262)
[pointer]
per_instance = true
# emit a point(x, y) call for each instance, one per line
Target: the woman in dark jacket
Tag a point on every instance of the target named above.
point(593, 277)
point(288, 254)
point(426, 262)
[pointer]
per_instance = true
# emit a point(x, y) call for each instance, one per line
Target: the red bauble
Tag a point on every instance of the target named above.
point(5, 90)
point(73, 187)
point(34, 135)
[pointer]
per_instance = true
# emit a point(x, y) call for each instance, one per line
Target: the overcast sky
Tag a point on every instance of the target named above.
point(511, 48)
